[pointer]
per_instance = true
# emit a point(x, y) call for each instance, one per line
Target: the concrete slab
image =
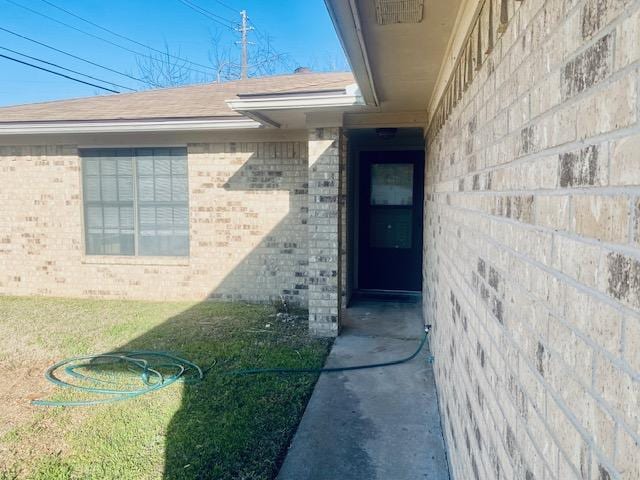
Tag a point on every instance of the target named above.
point(380, 423)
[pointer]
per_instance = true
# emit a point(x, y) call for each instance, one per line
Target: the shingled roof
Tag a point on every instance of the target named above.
point(194, 101)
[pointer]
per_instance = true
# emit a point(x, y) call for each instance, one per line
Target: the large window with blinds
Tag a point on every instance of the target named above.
point(136, 201)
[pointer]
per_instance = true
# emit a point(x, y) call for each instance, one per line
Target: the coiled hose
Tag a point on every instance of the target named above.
point(152, 379)
point(134, 361)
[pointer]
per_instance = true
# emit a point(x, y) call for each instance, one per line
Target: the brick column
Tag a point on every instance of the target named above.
point(324, 231)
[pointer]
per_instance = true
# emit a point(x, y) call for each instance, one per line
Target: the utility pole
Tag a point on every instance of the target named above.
point(244, 29)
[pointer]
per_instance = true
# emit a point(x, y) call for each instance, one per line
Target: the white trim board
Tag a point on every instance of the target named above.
point(107, 126)
point(350, 97)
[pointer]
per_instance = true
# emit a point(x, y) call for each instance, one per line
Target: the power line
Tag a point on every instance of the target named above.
point(255, 27)
point(58, 73)
point(209, 14)
point(265, 37)
point(76, 57)
point(67, 69)
point(88, 33)
point(226, 6)
point(124, 36)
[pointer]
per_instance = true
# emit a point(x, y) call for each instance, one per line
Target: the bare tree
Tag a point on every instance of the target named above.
point(266, 60)
point(169, 69)
point(263, 58)
point(223, 59)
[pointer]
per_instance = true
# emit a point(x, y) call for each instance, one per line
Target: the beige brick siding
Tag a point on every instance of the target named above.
point(248, 228)
point(326, 199)
point(344, 224)
point(532, 250)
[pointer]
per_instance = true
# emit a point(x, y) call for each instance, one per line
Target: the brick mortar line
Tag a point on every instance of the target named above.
point(605, 247)
point(543, 418)
point(603, 85)
point(591, 343)
point(615, 134)
point(442, 414)
point(589, 439)
point(610, 27)
point(605, 191)
point(597, 348)
point(561, 315)
point(618, 421)
point(483, 418)
point(567, 147)
point(623, 15)
point(461, 292)
point(630, 194)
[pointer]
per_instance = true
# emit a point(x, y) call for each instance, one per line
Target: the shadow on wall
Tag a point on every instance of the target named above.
point(251, 222)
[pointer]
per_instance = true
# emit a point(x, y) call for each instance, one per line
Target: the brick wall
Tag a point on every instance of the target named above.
point(532, 248)
point(248, 228)
point(326, 199)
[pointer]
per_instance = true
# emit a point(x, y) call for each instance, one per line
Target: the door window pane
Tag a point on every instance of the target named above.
point(392, 184)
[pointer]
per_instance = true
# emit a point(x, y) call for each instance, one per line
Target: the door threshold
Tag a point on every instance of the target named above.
point(408, 296)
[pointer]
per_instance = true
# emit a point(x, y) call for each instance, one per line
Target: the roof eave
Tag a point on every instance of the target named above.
point(122, 126)
point(346, 21)
point(350, 97)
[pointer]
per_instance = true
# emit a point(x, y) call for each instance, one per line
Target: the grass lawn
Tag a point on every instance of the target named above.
point(223, 427)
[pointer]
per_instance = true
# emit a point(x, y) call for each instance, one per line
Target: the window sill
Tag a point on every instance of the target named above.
point(134, 260)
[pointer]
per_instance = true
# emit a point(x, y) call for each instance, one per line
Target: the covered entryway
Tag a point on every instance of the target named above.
point(386, 210)
point(390, 241)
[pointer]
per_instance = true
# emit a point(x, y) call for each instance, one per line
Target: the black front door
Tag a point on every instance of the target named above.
point(390, 233)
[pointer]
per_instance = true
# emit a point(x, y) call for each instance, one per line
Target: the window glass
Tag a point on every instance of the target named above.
point(162, 187)
point(108, 198)
point(136, 201)
point(392, 184)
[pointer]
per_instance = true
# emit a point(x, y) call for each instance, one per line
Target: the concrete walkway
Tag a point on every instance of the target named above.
point(380, 423)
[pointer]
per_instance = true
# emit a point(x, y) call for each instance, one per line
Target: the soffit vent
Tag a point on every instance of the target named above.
point(399, 11)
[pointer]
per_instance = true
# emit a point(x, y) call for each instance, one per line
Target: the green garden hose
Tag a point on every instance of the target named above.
point(134, 361)
point(254, 371)
point(152, 379)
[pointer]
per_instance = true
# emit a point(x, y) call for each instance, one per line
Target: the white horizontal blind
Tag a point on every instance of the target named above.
point(163, 215)
point(108, 202)
point(136, 201)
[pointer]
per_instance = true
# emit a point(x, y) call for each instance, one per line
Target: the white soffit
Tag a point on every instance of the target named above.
point(399, 11)
point(401, 60)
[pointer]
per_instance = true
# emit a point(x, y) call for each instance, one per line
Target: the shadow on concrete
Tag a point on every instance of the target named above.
point(378, 423)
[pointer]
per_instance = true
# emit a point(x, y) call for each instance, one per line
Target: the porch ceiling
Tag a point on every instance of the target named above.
point(396, 65)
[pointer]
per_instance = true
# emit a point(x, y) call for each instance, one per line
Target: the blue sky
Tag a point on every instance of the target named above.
point(301, 28)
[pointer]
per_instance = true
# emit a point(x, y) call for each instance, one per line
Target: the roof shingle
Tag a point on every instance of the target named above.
point(194, 101)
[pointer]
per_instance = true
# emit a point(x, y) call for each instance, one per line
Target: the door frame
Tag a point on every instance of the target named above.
point(355, 186)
